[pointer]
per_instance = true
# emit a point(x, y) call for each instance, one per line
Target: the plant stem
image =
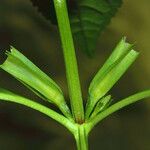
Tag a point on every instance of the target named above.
point(81, 138)
point(70, 60)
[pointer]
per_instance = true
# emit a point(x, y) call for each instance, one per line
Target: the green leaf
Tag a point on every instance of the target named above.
point(32, 77)
point(6, 95)
point(46, 8)
point(117, 106)
point(88, 19)
point(111, 72)
point(101, 105)
point(119, 52)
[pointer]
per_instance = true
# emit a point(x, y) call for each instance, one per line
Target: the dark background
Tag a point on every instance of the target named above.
point(27, 30)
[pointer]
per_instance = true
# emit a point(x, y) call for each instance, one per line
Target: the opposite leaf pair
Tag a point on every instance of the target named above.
point(31, 76)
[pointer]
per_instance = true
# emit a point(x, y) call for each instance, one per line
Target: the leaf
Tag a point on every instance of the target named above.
point(117, 106)
point(113, 69)
point(88, 19)
point(101, 105)
point(6, 95)
point(32, 77)
point(46, 7)
point(119, 51)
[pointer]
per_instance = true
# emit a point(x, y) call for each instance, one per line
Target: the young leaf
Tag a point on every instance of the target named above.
point(101, 105)
point(88, 19)
point(117, 106)
point(109, 76)
point(6, 95)
point(31, 76)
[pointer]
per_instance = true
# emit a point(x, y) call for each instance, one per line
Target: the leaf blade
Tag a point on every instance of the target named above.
point(114, 74)
point(116, 65)
point(119, 51)
point(33, 78)
point(117, 106)
point(89, 20)
point(101, 105)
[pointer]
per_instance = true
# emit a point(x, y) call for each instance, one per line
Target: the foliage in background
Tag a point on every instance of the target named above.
point(88, 19)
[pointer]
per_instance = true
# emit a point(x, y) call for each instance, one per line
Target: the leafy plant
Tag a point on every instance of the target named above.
point(78, 120)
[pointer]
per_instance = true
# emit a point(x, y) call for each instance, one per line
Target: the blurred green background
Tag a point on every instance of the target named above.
point(27, 30)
